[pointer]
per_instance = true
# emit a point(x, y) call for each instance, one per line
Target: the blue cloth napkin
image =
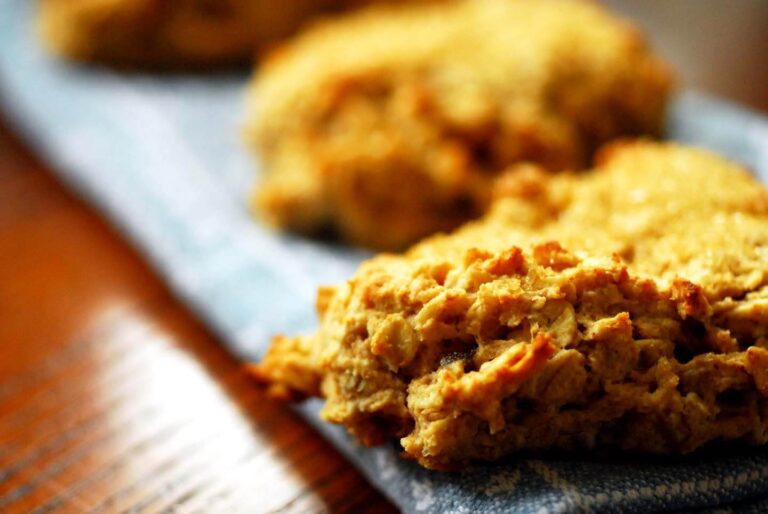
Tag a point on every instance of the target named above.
point(162, 157)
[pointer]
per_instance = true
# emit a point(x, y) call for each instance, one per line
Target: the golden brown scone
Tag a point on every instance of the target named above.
point(390, 124)
point(171, 33)
point(625, 308)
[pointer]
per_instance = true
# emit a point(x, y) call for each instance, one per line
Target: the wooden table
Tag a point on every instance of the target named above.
point(113, 397)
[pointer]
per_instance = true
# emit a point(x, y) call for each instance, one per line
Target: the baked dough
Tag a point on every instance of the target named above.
point(391, 124)
point(171, 33)
point(626, 308)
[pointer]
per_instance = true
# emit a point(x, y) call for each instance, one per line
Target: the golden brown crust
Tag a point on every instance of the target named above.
point(391, 124)
point(644, 327)
point(290, 375)
point(171, 33)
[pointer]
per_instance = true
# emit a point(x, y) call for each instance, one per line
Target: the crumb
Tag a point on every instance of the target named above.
point(623, 308)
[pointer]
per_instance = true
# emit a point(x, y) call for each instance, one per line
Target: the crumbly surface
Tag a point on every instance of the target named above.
point(171, 33)
point(391, 124)
point(623, 308)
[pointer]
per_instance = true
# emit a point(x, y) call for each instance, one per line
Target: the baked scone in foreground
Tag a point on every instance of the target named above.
point(391, 124)
point(171, 33)
point(625, 308)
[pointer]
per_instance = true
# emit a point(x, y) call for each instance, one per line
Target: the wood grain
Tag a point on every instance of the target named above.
point(113, 398)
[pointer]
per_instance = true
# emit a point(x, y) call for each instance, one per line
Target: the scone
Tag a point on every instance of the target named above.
point(626, 308)
point(391, 124)
point(171, 33)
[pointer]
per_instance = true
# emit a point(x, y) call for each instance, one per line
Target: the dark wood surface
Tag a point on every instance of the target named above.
point(714, 46)
point(113, 398)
